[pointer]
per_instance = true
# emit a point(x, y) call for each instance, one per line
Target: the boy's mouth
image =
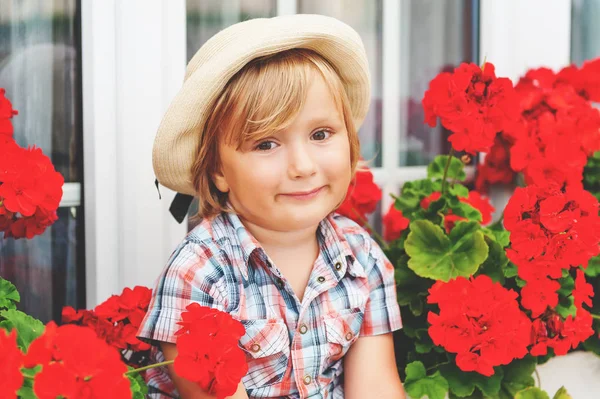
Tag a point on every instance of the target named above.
point(304, 194)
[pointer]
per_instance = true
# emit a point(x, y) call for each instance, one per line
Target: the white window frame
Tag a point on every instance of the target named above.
point(134, 56)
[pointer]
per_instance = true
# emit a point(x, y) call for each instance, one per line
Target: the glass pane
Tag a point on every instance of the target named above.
point(40, 69)
point(39, 54)
point(48, 270)
point(207, 17)
point(437, 36)
point(365, 16)
point(585, 30)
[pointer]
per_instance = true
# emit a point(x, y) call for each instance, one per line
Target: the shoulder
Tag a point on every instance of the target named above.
point(357, 239)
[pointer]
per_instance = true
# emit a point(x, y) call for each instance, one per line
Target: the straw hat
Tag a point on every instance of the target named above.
point(223, 55)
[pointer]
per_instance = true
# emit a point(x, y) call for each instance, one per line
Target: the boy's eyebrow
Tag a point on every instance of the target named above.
point(324, 118)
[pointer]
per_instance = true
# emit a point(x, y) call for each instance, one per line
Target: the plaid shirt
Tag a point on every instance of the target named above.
point(294, 349)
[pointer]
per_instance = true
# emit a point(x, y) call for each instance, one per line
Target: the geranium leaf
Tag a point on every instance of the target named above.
point(562, 394)
point(27, 327)
point(517, 375)
point(567, 284)
point(435, 170)
point(9, 296)
point(593, 269)
point(138, 386)
point(510, 270)
point(463, 383)
point(532, 393)
point(439, 257)
point(566, 307)
point(412, 193)
point(458, 190)
point(467, 211)
point(423, 347)
point(495, 262)
point(419, 384)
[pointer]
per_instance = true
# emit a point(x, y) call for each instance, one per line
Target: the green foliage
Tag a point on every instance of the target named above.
point(9, 296)
point(27, 327)
point(456, 171)
point(418, 384)
point(439, 257)
point(139, 389)
point(532, 393)
point(562, 394)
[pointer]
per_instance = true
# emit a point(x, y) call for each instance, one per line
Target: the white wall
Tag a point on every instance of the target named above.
point(133, 64)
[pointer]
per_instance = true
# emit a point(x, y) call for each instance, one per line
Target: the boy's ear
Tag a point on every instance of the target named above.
point(220, 182)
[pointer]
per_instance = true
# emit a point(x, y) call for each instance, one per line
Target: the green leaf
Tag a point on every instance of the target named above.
point(467, 211)
point(567, 284)
point(566, 306)
point(412, 193)
point(532, 393)
point(435, 170)
point(27, 327)
point(593, 269)
point(495, 263)
point(458, 190)
point(9, 296)
point(463, 383)
point(139, 389)
point(517, 375)
point(423, 347)
point(416, 306)
point(496, 231)
point(510, 270)
point(419, 384)
point(26, 390)
point(592, 344)
point(439, 257)
point(562, 394)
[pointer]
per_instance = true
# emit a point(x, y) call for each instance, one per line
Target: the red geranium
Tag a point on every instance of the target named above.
point(10, 368)
point(480, 321)
point(362, 197)
point(30, 187)
point(208, 351)
point(117, 321)
point(394, 223)
point(473, 104)
point(69, 369)
point(552, 332)
point(475, 199)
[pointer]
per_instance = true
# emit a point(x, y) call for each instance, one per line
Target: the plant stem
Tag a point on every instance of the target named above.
point(436, 365)
point(595, 316)
point(539, 381)
point(150, 367)
point(446, 170)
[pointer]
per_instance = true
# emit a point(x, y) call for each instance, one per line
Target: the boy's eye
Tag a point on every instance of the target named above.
point(266, 146)
point(321, 135)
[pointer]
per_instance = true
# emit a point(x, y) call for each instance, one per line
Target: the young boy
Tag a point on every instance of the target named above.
point(264, 133)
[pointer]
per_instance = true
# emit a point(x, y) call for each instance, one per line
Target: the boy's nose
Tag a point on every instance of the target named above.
point(301, 163)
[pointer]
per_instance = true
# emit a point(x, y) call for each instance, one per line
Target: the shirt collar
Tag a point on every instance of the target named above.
point(333, 245)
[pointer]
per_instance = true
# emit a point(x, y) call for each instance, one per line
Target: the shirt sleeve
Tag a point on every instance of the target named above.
point(191, 275)
point(382, 313)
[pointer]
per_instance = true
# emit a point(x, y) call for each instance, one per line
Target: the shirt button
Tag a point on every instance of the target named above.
point(307, 379)
point(338, 266)
point(255, 348)
point(321, 279)
point(349, 336)
point(303, 329)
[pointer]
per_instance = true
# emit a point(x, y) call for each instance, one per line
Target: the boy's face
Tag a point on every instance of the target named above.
point(296, 177)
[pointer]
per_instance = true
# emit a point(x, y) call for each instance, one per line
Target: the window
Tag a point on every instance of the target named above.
point(40, 70)
point(585, 30)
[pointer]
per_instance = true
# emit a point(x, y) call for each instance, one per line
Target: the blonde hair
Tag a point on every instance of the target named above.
point(264, 96)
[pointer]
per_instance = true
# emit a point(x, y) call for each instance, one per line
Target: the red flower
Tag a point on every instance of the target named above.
point(473, 104)
point(208, 351)
point(6, 112)
point(482, 204)
point(12, 361)
point(69, 370)
point(540, 294)
point(362, 197)
point(559, 335)
point(583, 291)
point(480, 321)
point(394, 223)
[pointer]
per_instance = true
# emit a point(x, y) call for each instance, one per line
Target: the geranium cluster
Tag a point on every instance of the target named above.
point(30, 187)
point(553, 230)
point(475, 199)
point(72, 362)
point(473, 104)
point(209, 354)
point(117, 321)
point(558, 128)
point(480, 321)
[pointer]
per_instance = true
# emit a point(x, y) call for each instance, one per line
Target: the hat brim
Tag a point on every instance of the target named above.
point(225, 54)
